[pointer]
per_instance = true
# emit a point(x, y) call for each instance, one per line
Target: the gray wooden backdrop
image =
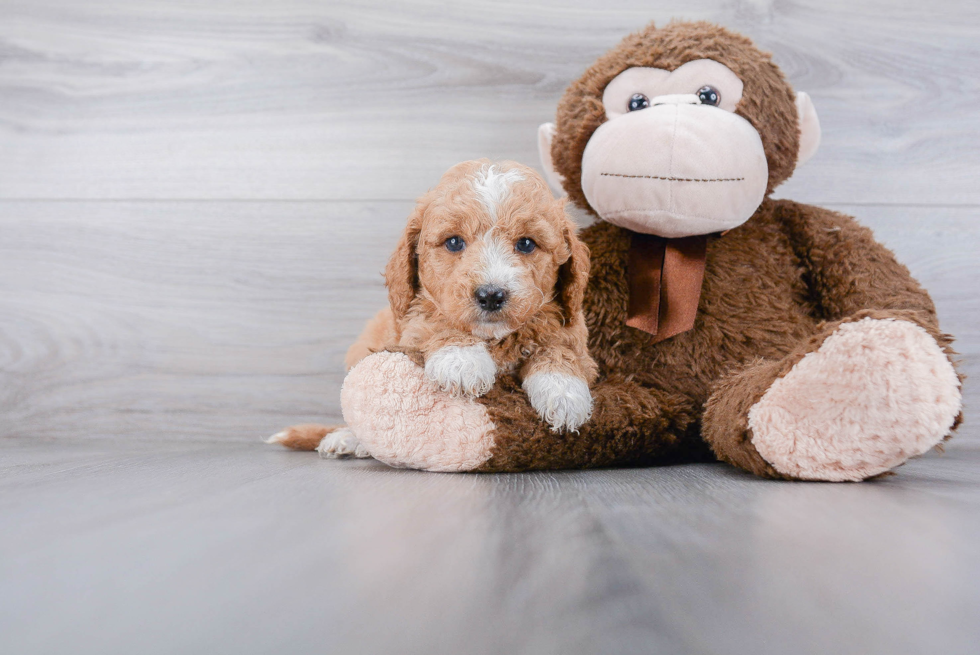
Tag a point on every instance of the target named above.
point(197, 198)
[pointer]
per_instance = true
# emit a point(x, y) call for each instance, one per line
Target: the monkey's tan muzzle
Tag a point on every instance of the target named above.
point(677, 168)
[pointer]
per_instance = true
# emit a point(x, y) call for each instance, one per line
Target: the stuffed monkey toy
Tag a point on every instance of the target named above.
point(775, 336)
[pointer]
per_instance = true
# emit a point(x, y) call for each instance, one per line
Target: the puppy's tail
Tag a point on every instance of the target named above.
point(303, 437)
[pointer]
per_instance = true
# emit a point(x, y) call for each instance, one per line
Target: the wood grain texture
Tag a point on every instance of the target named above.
point(183, 320)
point(161, 547)
point(365, 100)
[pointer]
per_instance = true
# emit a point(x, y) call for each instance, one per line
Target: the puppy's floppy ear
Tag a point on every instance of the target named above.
point(573, 276)
point(402, 271)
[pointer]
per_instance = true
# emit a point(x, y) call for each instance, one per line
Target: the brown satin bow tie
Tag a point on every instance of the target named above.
point(665, 278)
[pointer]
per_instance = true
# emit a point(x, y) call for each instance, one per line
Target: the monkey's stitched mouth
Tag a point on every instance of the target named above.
point(676, 179)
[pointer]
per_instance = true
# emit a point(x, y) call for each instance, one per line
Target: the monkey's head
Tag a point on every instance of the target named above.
point(678, 131)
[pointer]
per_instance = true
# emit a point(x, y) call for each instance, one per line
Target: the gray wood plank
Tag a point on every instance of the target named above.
point(162, 547)
point(365, 100)
point(228, 320)
point(183, 319)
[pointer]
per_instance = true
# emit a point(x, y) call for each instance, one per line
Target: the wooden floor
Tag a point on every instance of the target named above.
point(196, 200)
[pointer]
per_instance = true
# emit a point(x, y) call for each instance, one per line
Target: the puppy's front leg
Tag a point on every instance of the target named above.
point(562, 400)
point(557, 387)
point(462, 369)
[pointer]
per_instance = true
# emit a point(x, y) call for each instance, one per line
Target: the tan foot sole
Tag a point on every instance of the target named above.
point(404, 419)
point(875, 393)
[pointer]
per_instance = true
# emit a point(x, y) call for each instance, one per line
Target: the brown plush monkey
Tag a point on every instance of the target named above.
point(776, 336)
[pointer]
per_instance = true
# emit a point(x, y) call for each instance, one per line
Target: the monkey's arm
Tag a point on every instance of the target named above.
point(630, 425)
point(405, 420)
point(849, 272)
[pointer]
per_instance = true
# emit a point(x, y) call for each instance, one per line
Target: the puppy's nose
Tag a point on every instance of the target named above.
point(490, 298)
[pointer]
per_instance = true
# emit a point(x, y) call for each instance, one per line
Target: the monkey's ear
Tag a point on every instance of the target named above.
point(401, 273)
point(546, 132)
point(809, 128)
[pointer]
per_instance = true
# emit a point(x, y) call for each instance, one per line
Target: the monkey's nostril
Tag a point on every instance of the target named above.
point(490, 298)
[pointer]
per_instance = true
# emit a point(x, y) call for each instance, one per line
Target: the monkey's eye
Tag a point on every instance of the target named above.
point(639, 101)
point(454, 244)
point(709, 96)
point(525, 245)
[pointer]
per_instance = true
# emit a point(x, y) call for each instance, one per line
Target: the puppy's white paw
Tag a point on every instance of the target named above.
point(341, 443)
point(462, 369)
point(564, 401)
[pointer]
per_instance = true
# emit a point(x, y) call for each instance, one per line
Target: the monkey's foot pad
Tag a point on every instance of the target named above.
point(875, 393)
point(405, 420)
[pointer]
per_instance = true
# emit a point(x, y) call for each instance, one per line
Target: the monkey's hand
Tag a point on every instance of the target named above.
point(563, 400)
point(465, 370)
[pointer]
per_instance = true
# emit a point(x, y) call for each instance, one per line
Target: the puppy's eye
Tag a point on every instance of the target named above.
point(525, 245)
point(454, 244)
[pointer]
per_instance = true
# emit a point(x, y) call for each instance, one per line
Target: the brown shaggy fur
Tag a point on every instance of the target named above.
point(774, 289)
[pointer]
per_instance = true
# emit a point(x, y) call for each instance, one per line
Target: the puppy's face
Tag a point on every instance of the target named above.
point(491, 246)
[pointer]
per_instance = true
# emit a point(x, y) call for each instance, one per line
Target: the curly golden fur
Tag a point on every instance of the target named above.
point(431, 289)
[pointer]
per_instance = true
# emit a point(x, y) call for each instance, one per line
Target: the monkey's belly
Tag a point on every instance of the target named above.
point(754, 303)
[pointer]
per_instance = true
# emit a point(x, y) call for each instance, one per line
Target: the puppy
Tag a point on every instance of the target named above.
point(487, 279)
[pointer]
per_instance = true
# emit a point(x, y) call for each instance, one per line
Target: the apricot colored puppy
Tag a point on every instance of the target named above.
point(487, 279)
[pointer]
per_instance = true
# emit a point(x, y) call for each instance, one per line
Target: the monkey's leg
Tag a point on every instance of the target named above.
point(405, 420)
point(859, 398)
